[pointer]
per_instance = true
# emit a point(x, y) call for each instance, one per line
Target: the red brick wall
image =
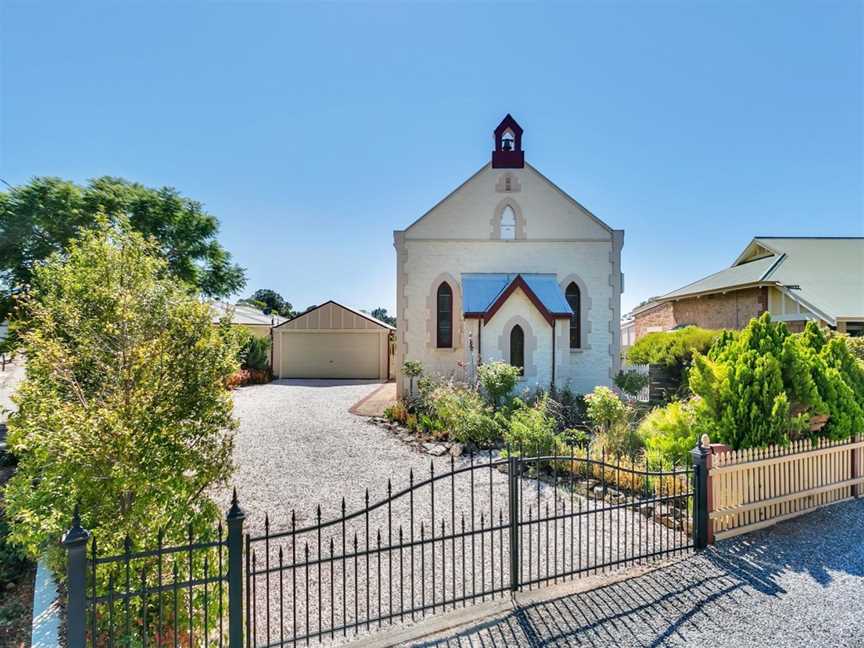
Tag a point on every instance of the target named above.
point(731, 310)
point(662, 316)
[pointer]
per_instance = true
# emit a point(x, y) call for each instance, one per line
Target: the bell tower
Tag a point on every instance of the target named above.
point(508, 153)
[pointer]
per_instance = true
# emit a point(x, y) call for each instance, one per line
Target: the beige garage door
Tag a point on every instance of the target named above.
point(329, 355)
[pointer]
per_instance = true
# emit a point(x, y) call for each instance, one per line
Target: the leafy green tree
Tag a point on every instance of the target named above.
point(124, 407)
point(43, 216)
point(381, 313)
point(272, 302)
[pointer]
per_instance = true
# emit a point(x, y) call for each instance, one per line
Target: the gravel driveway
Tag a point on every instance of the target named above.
point(800, 583)
point(298, 447)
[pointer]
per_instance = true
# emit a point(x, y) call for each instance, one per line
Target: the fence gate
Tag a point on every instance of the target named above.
point(469, 530)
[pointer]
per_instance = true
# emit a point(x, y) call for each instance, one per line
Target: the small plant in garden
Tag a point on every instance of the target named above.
point(397, 412)
point(531, 428)
point(612, 419)
point(412, 369)
point(498, 380)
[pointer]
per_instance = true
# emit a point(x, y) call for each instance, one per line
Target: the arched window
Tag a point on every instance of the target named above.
point(508, 224)
point(444, 322)
point(517, 348)
point(574, 298)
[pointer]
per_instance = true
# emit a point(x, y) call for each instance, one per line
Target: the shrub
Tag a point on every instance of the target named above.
point(568, 408)
point(255, 353)
point(765, 386)
point(464, 415)
point(671, 348)
point(605, 409)
point(498, 380)
point(856, 347)
point(631, 382)
point(124, 407)
point(249, 377)
point(669, 433)
point(531, 428)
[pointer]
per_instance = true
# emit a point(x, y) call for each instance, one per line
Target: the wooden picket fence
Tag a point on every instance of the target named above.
point(755, 488)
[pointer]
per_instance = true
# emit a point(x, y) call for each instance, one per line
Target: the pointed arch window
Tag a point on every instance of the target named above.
point(517, 348)
point(444, 316)
point(508, 224)
point(574, 298)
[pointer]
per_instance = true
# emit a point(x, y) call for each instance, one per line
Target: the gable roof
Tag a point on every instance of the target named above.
point(359, 313)
point(826, 274)
point(528, 165)
point(244, 314)
point(484, 293)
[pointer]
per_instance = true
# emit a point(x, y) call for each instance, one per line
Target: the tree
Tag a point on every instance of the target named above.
point(272, 302)
point(381, 313)
point(42, 217)
point(124, 407)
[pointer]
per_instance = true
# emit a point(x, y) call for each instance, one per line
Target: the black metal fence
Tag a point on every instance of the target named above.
point(471, 530)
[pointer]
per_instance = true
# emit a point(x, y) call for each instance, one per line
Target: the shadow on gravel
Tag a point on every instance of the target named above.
point(687, 601)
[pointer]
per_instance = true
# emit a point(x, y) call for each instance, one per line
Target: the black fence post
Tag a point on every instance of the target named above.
point(235, 519)
point(75, 542)
point(513, 500)
point(700, 456)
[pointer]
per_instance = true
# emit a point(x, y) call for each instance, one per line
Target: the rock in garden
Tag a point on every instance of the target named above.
point(457, 449)
point(435, 449)
point(646, 509)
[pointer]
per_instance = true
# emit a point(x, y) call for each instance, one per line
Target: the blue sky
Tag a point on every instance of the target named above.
point(314, 130)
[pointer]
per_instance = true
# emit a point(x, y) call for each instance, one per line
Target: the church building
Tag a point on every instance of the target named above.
point(510, 267)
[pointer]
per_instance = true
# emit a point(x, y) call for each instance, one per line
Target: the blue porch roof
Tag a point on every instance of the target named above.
point(480, 290)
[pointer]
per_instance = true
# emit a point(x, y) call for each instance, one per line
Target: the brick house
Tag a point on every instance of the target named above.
point(796, 279)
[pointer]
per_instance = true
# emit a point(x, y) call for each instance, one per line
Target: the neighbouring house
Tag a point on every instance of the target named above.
point(628, 333)
point(253, 320)
point(509, 267)
point(796, 279)
point(333, 341)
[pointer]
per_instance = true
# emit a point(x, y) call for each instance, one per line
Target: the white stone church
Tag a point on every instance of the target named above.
point(509, 267)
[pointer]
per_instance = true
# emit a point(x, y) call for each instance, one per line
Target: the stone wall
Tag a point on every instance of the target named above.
point(659, 318)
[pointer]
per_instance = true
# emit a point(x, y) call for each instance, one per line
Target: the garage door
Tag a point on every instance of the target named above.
point(329, 355)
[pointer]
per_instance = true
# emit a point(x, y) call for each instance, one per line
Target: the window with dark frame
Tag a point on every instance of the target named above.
point(574, 298)
point(444, 327)
point(517, 348)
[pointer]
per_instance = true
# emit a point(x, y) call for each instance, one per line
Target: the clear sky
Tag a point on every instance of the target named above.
point(314, 130)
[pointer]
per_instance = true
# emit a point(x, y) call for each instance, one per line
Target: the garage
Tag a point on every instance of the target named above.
point(332, 341)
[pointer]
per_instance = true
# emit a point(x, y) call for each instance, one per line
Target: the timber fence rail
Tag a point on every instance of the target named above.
point(755, 488)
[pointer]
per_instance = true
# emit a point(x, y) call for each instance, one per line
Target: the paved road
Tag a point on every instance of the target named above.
point(800, 583)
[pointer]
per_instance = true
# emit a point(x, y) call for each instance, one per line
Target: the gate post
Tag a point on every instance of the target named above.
point(75, 542)
point(235, 519)
point(701, 522)
point(513, 500)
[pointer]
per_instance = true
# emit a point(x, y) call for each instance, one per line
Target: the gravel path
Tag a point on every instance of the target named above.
point(298, 447)
point(800, 583)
